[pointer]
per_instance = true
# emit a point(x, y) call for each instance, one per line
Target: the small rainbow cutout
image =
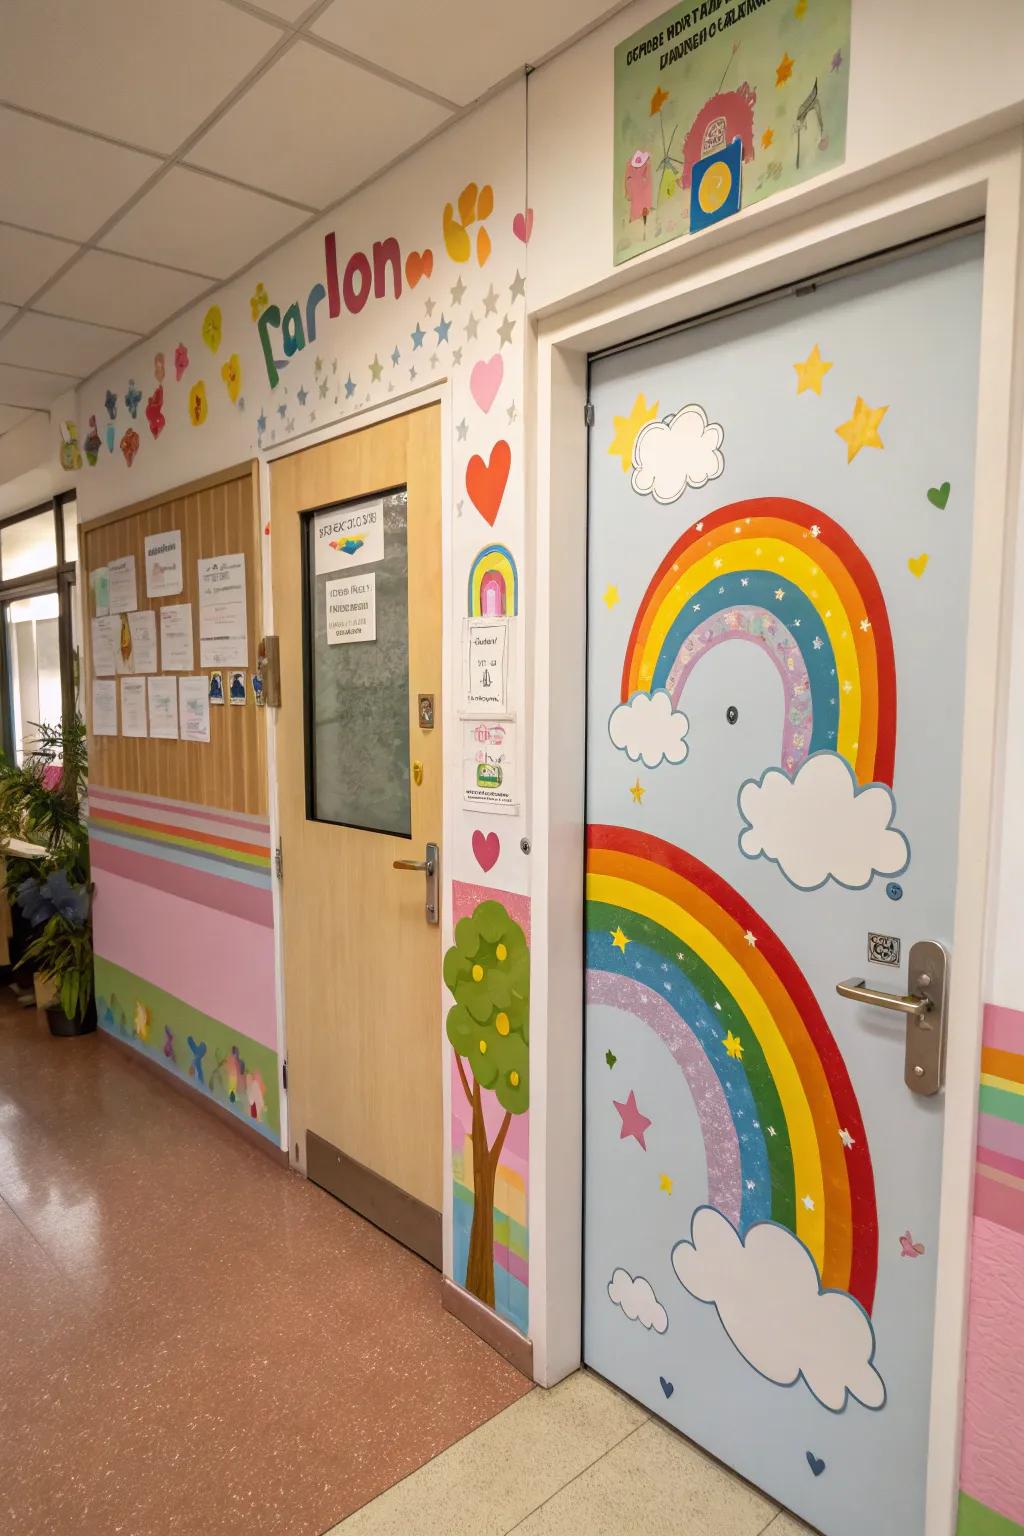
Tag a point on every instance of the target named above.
point(493, 579)
point(783, 1135)
point(782, 575)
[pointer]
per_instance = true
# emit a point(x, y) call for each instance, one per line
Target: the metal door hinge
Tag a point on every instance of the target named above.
point(588, 413)
point(284, 1074)
point(279, 861)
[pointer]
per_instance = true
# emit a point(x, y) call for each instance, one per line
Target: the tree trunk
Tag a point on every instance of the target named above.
point(480, 1264)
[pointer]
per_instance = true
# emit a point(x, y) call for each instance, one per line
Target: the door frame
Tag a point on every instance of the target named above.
point(767, 252)
point(438, 392)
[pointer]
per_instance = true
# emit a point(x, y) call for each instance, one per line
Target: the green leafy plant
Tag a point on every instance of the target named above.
point(487, 971)
point(63, 953)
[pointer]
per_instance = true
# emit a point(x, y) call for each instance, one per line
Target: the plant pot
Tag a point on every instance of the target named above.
point(64, 1027)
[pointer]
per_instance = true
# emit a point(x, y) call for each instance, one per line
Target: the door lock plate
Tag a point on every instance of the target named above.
point(927, 977)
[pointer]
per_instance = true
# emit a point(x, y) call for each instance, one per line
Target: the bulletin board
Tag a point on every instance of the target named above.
point(217, 516)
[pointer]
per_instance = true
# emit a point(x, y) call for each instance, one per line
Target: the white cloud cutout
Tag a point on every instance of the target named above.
point(637, 1300)
point(683, 450)
point(821, 824)
point(649, 730)
point(767, 1292)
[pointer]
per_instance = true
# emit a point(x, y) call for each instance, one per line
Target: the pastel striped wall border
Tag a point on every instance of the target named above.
point(992, 1466)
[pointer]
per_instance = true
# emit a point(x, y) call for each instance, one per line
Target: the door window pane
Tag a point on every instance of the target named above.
point(70, 510)
point(28, 545)
point(357, 664)
point(33, 646)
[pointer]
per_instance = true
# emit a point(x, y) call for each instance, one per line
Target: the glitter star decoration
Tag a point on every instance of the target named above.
point(861, 431)
point(619, 940)
point(637, 791)
point(733, 1046)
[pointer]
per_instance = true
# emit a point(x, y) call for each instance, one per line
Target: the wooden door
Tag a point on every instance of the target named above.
point(360, 788)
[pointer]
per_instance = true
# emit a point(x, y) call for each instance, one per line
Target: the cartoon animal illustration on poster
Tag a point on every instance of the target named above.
point(718, 105)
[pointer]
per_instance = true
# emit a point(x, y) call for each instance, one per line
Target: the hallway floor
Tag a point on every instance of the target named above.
point(195, 1342)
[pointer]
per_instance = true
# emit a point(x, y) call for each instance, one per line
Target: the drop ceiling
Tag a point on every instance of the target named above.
point(152, 150)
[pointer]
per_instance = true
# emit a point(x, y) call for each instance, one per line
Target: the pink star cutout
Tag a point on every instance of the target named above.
point(633, 1122)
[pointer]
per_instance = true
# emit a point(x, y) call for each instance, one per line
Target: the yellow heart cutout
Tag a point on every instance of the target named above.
point(916, 564)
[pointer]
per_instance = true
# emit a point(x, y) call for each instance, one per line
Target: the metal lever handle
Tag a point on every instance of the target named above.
point(429, 867)
point(857, 990)
point(424, 866)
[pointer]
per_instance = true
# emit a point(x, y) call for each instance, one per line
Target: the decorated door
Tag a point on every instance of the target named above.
point(780, 542)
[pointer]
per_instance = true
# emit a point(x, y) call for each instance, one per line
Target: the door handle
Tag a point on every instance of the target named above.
point(430, 866)
point(924, 1069)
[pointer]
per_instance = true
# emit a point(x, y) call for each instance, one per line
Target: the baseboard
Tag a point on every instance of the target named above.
point(478, 1317)
point(201, 1100)
point(401, 1215)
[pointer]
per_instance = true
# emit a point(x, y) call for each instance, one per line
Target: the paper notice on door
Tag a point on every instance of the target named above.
point(194, 708)
point(164, 576)
point(351, 603)
point(163, 707)
point(101, 591)
point(223, 626)
point(489, 766)
point(142, 629)
point(122, 593)
point(104, 707)
point(133, 706)
point(347, 537)
point(485, 667)
point(176, 650)
point(104, 639)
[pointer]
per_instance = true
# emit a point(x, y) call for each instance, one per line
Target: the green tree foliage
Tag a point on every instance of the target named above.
point(487, 971)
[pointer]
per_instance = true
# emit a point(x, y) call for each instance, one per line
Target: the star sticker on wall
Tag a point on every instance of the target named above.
point(751, 938)
point(610, 1058)
point(350, 387)
point(282, 410)
point(302, 396)
point(846, 1139)
point(865, 625)
point(505, 330)
point(429, 306)
point(376, 369)
point(322, 386)
point(619, 940)
point(634, 1123)
point(807, 1203)
point(462, 429)
point(458, 292)
point(733, 1046)
point(626, 429)
point(779, 594)
point(517, 287)
point(472, 325)
point(811, 371)
point(611, 597)
point(261, 423)
point(861, 431)
point(638, 791)
point(417, 338)
point(318, 366)
point(396, 358)
point(665, 1183)
point(456, 357)
point(490, 301)
point(837, 60)
point(412, 373)
point(783, 70)
point(512, 413)
point(434, 359)
point(442, 329)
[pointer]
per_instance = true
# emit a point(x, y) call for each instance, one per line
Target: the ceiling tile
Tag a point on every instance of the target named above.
point(30, 387)
point(26, 261)
point(140, 70)
point(342, 125)
point(118, 290)
point(515, 35)
point(62, 182)
point(12, 416)
point(288, 10)
point(62, 346)
point(7, 312)
point(201, 223)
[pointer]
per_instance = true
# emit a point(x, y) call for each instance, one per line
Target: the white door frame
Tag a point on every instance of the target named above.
point(982, 182)
point(437, 392)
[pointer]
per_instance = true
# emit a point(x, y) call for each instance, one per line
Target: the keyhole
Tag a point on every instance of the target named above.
point(732, 714)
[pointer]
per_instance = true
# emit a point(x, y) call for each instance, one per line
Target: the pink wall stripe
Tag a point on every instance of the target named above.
point(1010, 1165)
point(215, 961)
point(1004, 1136)
point(1004, 1029)
point(248, 902)
point(992, 1469)
point(1003, 1204)
point(173, 810)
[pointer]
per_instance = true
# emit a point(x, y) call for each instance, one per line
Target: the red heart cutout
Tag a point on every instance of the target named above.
point(486, 482)
point(418, 264)
point(522, 226)
point(486, 848)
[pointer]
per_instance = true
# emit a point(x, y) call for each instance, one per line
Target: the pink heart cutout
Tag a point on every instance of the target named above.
point(485, 381)
point(522, 226)
point(486, 848)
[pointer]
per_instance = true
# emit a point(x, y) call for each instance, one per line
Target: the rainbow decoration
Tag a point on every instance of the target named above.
point(671, 943)
point(493, 579)
point(781, 575)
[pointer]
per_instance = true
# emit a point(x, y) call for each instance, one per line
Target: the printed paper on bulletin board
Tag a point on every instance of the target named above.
point(772, 73)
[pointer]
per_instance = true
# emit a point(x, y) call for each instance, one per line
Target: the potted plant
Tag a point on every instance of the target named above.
point(41, 803)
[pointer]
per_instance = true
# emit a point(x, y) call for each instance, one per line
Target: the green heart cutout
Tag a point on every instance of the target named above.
point(938, 495)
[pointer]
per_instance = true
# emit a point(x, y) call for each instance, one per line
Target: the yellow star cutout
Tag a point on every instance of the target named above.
point(619, 940)
point(734, 1045)
point(665, 1183)
point(638, 791)
point(861, 431)
point(811, 371)
point(784, 69)
point(611, 597)
point(767, 138)
point(627, 427)
point(800, 9)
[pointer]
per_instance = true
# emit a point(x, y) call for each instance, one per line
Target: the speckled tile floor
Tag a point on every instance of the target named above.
point(580, 1460)
point(195, 1342)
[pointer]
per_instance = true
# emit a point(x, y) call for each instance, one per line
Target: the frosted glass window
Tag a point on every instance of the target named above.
point(28, 545)
point(357, 670)
point(33, 650)
point(70, 510)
